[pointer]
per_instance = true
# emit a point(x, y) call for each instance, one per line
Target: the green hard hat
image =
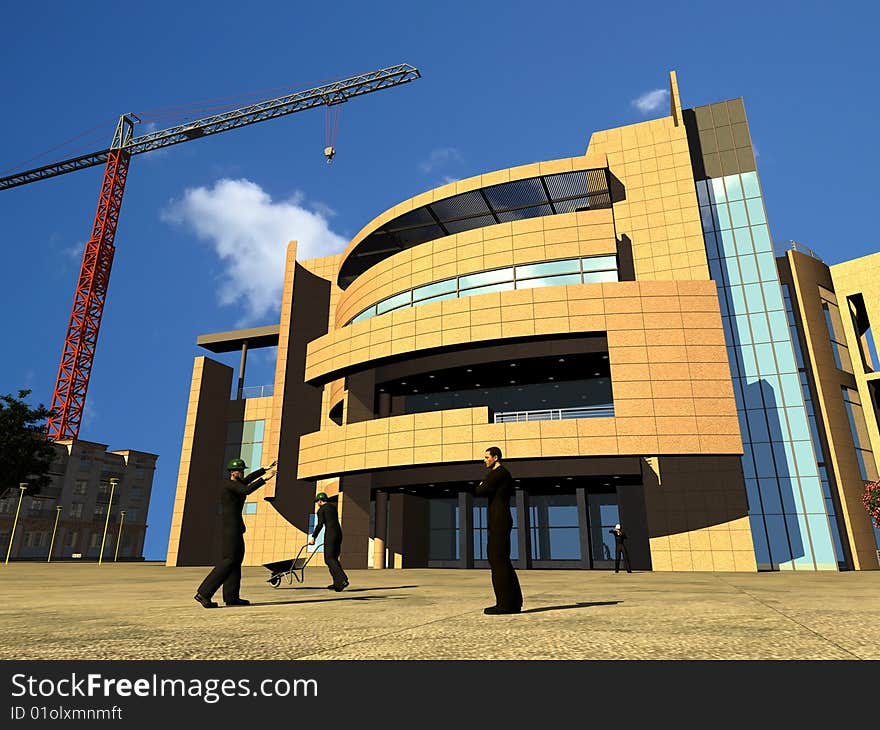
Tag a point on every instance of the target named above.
point(236, 465)
point(321, 495)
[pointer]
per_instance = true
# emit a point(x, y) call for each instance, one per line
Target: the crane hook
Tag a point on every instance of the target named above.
point(329, 153)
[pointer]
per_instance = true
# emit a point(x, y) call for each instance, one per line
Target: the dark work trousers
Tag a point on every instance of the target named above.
point(227, 571)
point(508, 594)
point(621, 550)
point(332, 547)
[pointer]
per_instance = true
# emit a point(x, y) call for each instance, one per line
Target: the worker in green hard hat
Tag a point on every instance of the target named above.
point(328, 519)
point(228, 571)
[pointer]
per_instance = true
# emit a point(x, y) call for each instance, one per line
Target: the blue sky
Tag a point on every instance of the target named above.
point(204, 224)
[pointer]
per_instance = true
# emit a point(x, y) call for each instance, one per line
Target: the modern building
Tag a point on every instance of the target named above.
point(69, 516)
point(617, 323)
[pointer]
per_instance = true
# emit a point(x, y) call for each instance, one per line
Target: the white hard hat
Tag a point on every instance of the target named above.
point(617, 526)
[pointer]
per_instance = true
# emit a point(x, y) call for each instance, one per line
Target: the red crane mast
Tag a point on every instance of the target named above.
point(78, 353)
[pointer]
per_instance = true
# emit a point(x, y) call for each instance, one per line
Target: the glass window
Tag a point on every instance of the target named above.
point(819, 525)
point(769, 489)
point(597, 263)
point(737, 299)
point(756, 211)
point(366, 314)
point(751, 189)
point(778, 327)
point(757, 422)
point(702, 192)
point(743, 240)
point(707, 218)
point(785, 357)
point(731, 270)
point(750, 366)
point(250, 508)
point(797, 424)
point(761, 237)
point(734, 188)
point(748, 266)
point(772, 296)
point(726, 245)
point(722, 217)
point(440, 298)
point(791, 391)
point(593, 277)
point(487, 289)
point(549, 268)
point(760, 330)
point(754, 298)
point(432, 290)
point(398, 300)
point(748, 462)
point(764, 462)
point(484, 278)
point(806, 460)
point(716, 190)
point(711, 245)
point(759, 538)
point(738, 214)
point(549, 281)
point(764, 356)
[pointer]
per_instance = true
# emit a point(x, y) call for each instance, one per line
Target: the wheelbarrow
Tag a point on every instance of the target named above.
point(289, 569)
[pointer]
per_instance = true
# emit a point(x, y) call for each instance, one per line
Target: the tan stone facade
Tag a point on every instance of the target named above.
point(356, 335)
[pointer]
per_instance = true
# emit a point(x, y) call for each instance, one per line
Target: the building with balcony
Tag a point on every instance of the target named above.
point(617, 323)
point(69, 516)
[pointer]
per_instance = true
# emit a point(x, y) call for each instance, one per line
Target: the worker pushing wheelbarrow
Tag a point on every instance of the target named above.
point(289, 569)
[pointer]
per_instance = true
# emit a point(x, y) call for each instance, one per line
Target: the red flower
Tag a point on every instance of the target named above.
point(871, 500)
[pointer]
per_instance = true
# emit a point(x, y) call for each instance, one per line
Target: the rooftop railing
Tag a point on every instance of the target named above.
point(783, 246)
point(555, 414)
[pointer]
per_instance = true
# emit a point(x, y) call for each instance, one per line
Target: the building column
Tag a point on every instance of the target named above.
point(354, 517)
point(381, 530)
point(584, 528)
point(522, 523)
point(465, 530)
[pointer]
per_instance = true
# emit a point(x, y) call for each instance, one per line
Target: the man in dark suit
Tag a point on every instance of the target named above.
point(228, 571)
point(620, 549)
point(328, 519)
point(497, 486)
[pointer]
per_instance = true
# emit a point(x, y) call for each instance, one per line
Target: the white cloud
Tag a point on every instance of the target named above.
point(439, 158)
point(249, 232)
point(651, 101)
point(76, 251)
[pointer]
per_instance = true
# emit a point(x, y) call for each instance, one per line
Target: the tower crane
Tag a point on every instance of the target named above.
point(68, 399)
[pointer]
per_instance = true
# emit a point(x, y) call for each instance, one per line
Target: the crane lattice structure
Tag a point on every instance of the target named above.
point(71, 385)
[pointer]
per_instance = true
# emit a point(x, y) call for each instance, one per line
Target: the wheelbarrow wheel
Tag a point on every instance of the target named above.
point(275, 581)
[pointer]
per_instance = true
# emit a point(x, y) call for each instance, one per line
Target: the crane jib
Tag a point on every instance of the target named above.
point(327, 95)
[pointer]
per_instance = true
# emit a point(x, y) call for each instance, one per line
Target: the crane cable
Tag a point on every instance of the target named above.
point(331, 129)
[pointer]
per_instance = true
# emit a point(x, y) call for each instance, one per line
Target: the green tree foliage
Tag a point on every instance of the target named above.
point(25, 454)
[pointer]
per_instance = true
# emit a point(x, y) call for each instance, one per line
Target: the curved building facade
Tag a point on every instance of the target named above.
point(580, 314)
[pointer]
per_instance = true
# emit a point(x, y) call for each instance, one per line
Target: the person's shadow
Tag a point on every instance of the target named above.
point(567, 606)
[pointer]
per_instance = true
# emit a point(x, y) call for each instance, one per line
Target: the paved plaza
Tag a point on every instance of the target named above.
point(146, 611)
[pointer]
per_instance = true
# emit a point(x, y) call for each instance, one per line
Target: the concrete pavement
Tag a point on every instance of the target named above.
point(146, 611)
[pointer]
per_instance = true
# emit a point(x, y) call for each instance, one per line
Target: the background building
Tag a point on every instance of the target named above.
point(616, 323)
point(80, 489)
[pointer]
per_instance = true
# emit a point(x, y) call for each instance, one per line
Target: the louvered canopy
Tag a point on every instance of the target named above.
point(528, 198)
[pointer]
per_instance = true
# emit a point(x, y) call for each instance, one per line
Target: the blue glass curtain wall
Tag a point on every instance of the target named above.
point(787, 508)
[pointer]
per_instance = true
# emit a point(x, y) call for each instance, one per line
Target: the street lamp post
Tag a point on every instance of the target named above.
point(54, 530)
point(119, 534)
point(23, 488)
point(113, 483)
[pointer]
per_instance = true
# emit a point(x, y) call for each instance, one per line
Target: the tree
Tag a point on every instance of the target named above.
point(871, 500)
point(25, 454)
